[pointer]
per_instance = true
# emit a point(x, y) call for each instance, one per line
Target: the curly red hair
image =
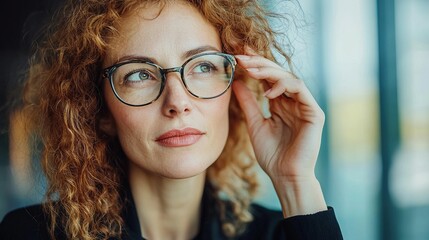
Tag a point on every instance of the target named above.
point(80, 158)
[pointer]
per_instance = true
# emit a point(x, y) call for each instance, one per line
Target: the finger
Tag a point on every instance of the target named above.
point(287, 87)
point(249, 51)
point(283, 82)
point(247, 61)
point(248, 103)
point(268, 73)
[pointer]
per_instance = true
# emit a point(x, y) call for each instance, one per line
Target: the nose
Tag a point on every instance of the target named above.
point(176, 100)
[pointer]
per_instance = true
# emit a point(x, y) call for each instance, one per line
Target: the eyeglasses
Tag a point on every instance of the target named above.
point(138, 82)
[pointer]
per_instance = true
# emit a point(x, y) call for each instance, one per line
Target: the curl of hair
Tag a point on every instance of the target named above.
point(62, 94)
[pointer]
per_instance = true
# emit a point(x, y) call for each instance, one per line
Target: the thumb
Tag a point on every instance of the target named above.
point(248, 104)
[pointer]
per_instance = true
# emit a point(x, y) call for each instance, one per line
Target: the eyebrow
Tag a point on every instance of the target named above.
point(201, 49)
point(134, 57)
point(185, 55)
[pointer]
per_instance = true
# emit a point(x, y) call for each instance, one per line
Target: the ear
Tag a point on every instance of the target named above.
point(107, 124)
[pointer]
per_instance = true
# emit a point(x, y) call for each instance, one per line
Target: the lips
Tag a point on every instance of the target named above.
point(179, 138)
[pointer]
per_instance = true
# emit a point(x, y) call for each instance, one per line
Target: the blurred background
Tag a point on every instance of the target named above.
point(367, 64)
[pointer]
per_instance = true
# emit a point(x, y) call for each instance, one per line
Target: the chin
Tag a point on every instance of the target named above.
point(183, 169)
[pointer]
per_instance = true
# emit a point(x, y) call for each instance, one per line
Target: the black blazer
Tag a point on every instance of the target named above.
point(31, 223)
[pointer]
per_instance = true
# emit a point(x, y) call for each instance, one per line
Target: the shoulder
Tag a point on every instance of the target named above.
point(25, 223)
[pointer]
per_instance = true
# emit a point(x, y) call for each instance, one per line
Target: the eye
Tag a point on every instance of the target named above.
point(139, 75)
point(205, 67)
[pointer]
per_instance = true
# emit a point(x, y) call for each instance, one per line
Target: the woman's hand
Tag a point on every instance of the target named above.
point(287, 143)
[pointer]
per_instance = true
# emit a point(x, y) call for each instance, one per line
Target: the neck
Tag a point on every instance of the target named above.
point(167, 208)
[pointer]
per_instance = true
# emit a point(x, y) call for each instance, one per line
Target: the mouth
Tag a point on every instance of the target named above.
point(179, 138)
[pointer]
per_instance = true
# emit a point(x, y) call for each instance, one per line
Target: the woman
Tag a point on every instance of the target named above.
point(137, 147)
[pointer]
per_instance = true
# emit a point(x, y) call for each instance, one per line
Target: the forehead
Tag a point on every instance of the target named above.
point(157, 32)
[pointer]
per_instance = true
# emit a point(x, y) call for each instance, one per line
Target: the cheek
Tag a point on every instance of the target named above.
point(123, 116)
point(133, 131)
point(220, 118)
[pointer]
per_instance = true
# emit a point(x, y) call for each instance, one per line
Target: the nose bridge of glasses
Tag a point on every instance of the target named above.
point(169, 70)
point(165, 71)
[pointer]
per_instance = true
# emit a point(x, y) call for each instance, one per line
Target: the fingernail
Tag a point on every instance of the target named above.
point(252, 69)
point(242, 57)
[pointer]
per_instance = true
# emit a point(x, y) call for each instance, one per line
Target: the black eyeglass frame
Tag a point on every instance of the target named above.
point(108, 73)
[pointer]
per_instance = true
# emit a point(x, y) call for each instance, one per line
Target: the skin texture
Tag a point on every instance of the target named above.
point(170, 179)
